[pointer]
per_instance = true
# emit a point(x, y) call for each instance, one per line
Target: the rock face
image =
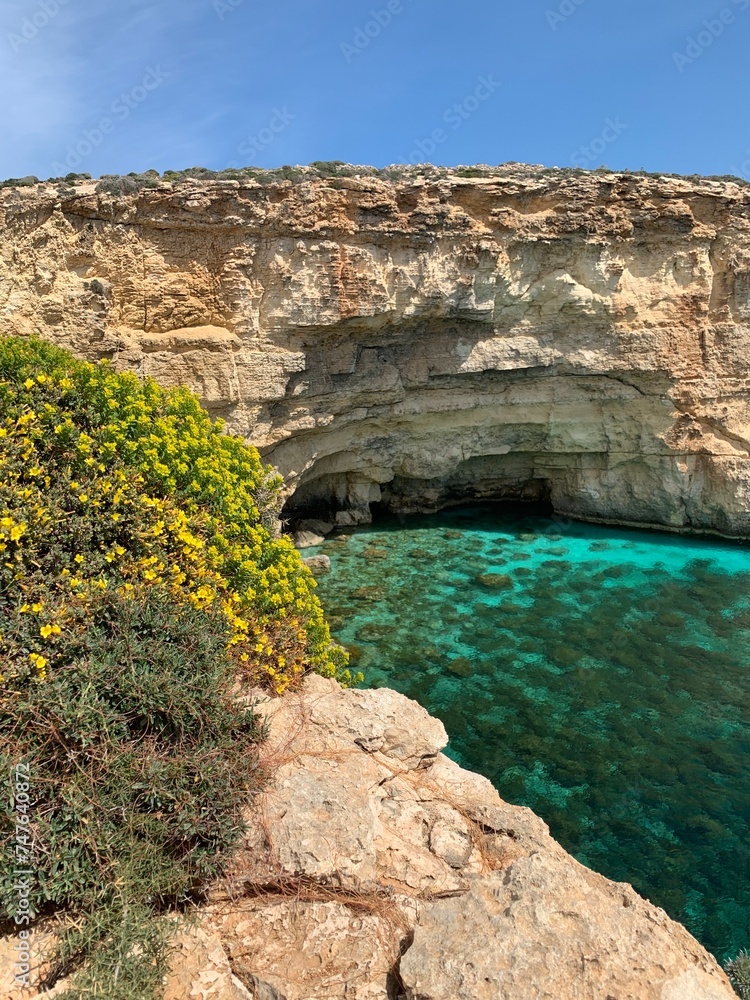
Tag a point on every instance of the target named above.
point(390, 872)
point(533, 334)
point(375, 868)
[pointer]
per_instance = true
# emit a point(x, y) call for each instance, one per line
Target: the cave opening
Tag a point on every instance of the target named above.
point(346, 501)
point(350, 497)
point(465, 507)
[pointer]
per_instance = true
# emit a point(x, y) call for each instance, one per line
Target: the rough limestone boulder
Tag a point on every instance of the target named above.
point(318, 564)
point(199, 968)
point(546, 927)
point(307, 539)
point(377, 869)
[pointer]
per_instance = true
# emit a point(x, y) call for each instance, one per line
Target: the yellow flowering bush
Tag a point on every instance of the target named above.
point(109, 484)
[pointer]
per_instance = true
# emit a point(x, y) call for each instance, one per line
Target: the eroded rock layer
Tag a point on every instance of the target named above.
point(583, 338)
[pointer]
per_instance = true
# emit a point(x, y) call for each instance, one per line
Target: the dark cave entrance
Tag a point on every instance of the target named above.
point(347, 500)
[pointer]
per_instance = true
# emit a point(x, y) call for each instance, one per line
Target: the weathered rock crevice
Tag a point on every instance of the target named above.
point(426, 341)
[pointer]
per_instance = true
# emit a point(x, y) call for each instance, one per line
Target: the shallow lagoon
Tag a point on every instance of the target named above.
point(599, 676)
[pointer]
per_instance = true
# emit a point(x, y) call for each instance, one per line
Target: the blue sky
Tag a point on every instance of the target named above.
point(109, 87)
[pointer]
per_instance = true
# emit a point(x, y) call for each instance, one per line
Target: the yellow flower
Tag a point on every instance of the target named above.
point(200, 535)
point(29, 383)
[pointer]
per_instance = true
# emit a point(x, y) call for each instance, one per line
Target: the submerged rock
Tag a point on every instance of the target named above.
point(462, 666)
point(318, 564)
point(495, 581)
point(370, 594)
point(374, 552)
point(373, 631)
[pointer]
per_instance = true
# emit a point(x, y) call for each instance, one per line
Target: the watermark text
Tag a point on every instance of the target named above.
point(712, 29)
point(23, 872)
point(250, 147)
point(563, 13)
point(365, 35)
point(454, 117)
point(36, 22)
point(588, 155)
point(120, 109)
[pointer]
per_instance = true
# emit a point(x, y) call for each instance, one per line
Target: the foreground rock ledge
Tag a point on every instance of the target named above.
point(375, 868)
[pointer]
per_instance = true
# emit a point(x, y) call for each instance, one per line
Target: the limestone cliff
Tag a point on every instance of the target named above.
point(529, 334)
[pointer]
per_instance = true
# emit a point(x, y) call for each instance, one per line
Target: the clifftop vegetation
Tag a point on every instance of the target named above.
point(333, 170)
point(107, 484)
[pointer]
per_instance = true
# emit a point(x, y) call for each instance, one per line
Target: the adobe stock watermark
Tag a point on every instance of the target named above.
point(713, 28)
point(224, 7)
point(34, 23)
point(563, 13)
point(587, 156)
point(365, 35)
point(742, 170)
point(454, 116)
point(253, 145)
point(120, 109)
point(23, 871)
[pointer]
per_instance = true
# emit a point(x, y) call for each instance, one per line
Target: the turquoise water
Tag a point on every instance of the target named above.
point(599, 676)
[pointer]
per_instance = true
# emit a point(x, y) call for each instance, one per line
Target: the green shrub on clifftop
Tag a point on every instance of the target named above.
point(140, 761)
